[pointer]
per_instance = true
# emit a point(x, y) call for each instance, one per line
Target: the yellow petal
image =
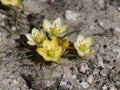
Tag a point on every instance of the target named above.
point(58, 51)
point(5, 2)
point(42, 34)
point(80, 39)
point(47, 25)
point(80, 53)
point(47, 44)
point(15, 2)
point(62, 30)
point(11, 2)
point(54, 42)
point(89, 41)
point(56, 59)
point(43, 53)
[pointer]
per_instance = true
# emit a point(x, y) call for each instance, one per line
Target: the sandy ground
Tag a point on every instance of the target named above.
point(100, 71)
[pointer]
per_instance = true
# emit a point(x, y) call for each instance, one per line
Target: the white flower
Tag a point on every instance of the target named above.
point(56, 28)
point(36, 37)
point(84, 45)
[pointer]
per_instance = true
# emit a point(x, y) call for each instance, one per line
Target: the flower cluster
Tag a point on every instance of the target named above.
point(11, 2)
point(50, 45)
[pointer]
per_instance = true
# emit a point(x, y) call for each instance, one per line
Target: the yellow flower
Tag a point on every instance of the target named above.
point(36, 37)
point(84, 45)
point(65, 43)
point(50, 51)
point(11, 2)
point(56, 28)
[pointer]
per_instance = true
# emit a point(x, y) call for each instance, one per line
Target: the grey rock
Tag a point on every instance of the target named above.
point(90, 79)
point(85, 85)
point(70, 15)
point(104, 87)
point(84, 68)
point(117, 83)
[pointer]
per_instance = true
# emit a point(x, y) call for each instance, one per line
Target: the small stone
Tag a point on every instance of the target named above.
point(3, 16)
point(90, 79)
point(100, 60)
point(118, 9)
point(112, 88)
point(117, 83)
point(2, 23)
point(104, 87)
point(70, 15)
point(14, 88)
point(117, 29)
point(13, 28)
point(85, 85)
point(101, 3)
point(84, 68)
point(103, 72)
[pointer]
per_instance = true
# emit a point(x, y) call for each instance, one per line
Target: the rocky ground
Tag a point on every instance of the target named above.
point(100, 71)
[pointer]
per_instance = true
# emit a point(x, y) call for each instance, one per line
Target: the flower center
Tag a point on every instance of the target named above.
point(37, 39)
point(50, 52)
point(54, 30)
point(65, 44)
point(83, 47)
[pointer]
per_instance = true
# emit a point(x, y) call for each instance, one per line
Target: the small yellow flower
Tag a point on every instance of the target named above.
point(50, 51)
point(84, 45)
point(56, 28)
point(36, 37)
point(65, 43)
point(11, 2)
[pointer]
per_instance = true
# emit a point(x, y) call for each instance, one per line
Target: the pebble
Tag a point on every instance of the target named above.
point(85, 85)
point(117, 83)
point(14, 88)
point(117, 29)
point(90, 79)
point(118, 9)
point(84, 68)
point(100, 60)
point(103, 72)
point(70, 15)
point(13, 28)
point(2, 23)
point(66, 84)
point(3, 16)
point(112, 88)
point(101, 3)
point(104, 87)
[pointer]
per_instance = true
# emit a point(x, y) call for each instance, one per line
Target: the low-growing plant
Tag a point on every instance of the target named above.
point(51, 43)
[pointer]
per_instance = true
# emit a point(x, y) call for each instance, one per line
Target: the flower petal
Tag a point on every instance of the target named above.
point(61, 31)
point(43, 53)
point(56, 59)
point(31, 43)
point(89, 41)
point(58, 51)
point(35, 32)
point(57, 23)
point(29, 37)
point(80, 39)
point(15, 2)
point(80, 53)
point(47, 25)
point(5, 2)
